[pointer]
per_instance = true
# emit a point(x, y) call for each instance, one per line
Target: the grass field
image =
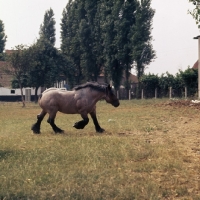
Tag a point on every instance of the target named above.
point(150, 150)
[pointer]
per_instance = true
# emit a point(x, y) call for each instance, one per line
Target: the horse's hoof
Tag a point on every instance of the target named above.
point(35, 129)
point(101, 130)
point(60, 131)
point(78, 126)
point(36, 132)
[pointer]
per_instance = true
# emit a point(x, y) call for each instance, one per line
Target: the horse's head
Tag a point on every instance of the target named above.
point(110, 97)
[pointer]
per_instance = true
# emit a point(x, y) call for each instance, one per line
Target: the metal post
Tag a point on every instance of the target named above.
point(198, 37)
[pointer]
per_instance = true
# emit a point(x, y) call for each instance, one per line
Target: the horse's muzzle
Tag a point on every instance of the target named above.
point(116, 103)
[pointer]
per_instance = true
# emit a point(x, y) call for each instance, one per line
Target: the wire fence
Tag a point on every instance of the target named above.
point(170, 93)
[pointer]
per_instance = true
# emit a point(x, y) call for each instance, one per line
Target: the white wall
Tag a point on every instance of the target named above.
point(7, 91)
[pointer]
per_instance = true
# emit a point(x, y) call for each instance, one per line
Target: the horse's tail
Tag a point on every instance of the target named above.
point(39, 98)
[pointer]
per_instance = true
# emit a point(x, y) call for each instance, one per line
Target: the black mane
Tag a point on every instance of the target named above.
point(92, 85)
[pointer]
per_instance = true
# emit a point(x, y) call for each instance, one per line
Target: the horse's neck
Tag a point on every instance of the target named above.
point(96, 95)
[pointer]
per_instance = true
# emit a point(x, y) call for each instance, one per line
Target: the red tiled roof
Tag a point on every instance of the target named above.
point(195, 66)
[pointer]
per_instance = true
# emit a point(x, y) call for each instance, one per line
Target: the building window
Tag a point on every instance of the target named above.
point(12, 91)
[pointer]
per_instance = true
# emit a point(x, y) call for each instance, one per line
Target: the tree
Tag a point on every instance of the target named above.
point(91, 41)
point(47, 28)
point(81, 40)
point(44, 65)
point(99, 36)
point(196, 11)
point(112, 69)
point(126, 19)
point(190, 79)
point(70, 46)
point(18, 66)
point(142, 51)
point(2, 39)
point(45, 57)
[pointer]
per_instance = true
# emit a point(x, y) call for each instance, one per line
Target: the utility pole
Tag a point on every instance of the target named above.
point(198, 38)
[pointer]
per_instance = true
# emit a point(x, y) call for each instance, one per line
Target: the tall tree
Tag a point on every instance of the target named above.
point(81, 39)
point(2, 39)
point(142, 51)
point(124, 24)
point(47, 28)
point(91, 40)
point(100, 36)
point(70, 46)
point(44, 67)
point(112, 69)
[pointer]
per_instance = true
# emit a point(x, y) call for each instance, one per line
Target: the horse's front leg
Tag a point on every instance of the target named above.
point(81, 124)
point(96, 123)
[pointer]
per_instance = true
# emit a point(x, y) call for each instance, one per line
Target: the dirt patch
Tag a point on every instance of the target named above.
point(182, 103)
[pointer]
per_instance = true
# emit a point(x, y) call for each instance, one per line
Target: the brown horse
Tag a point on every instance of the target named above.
point(81, 100)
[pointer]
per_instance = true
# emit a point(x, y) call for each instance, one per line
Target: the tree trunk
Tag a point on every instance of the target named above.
point(22, 95)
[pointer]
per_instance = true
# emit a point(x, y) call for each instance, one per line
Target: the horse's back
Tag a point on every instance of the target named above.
point(60, 100)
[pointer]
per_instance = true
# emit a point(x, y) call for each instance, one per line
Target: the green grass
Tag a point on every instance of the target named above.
point(145, 153)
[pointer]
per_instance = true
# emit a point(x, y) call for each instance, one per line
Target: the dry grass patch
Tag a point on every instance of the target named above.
point(150, 150)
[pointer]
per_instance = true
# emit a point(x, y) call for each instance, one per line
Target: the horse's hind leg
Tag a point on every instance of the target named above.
point(36, 127)
point(54, 127)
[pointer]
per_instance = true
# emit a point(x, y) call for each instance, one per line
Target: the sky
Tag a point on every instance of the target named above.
point(173, 30)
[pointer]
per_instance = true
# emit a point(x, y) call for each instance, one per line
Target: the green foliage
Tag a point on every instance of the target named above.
point(102, 36)
point(190, 79)
point(111, 17)
point(47, 29)
point(18, 62)
point(70, 46)
point(196, 11)
point(2, 40)
point(24, 82)
point(149, 83)
point(178, 82)
point(45, 64)
point(142, 50)
point(18, 65)
point(46, 60)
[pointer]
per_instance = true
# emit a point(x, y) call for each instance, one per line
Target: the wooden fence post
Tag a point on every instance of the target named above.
point(156, 92)
point(185, 92)
point(142, 94)
point(170, 92)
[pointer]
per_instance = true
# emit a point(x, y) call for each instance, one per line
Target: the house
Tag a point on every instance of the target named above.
point(5, 79)
point(7, 93)
point(195, 66)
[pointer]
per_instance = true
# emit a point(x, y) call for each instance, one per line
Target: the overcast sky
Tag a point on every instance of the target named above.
point(173, 29)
